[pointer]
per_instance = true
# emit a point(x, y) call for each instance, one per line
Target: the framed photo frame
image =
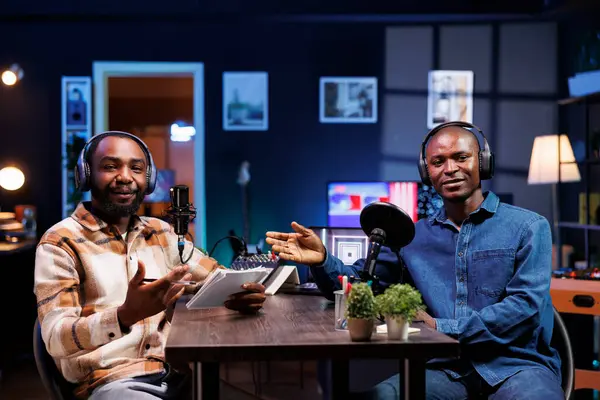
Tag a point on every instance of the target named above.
point(350, 248)
point(245, 101)
point(450, 97)
point(348, 100)
point(76, 129)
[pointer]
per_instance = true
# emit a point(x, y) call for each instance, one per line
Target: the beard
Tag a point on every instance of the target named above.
point(113, 209)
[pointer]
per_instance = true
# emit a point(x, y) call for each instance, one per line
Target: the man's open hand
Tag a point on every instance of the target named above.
point(147, 299)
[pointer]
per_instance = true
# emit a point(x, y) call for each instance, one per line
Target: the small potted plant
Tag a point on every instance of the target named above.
point(361, 313)
point(399, 305)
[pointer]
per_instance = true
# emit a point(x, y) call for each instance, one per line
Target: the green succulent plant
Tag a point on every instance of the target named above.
point(399, 300)
point(361, 302)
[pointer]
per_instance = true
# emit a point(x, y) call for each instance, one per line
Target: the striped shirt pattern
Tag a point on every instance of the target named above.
point(82, 272)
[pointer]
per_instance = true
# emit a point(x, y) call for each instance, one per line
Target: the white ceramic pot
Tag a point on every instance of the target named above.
point(397, 327)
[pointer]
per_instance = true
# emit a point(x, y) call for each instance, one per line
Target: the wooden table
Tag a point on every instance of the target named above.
point(577, 296)
point(292, 328)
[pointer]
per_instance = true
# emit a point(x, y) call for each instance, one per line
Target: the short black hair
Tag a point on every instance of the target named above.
point(94, 145)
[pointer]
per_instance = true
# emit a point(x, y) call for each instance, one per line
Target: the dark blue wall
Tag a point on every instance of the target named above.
point(290, 163)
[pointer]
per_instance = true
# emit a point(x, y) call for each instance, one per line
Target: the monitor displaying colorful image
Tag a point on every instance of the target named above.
point(165, 180)
point(345, 200)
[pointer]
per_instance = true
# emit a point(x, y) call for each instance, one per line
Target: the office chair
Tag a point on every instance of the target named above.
point(562, 343)
point(56, 385)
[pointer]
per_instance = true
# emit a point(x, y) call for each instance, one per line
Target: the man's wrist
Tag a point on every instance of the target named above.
point(322, 262)
point(124, 321)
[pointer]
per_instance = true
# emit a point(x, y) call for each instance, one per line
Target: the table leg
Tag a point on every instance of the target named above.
point(414, 379)
point(206, 382)
point(340, 381)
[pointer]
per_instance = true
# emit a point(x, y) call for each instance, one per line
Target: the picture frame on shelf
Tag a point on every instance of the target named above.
point(450, 97)
point(348, 100)
point(245, 101)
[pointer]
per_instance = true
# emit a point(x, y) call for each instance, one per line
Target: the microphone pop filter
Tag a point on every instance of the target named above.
point(395, 222)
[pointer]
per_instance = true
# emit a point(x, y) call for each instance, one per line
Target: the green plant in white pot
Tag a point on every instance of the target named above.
point(361, 312)
point(399, 305)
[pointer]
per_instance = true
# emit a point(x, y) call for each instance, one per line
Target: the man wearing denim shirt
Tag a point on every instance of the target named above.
point(483, 268)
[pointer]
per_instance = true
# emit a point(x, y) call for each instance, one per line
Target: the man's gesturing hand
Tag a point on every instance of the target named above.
point(302, 246)
point(147, 299)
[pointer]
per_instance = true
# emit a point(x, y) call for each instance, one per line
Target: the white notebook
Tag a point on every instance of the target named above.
point(383, 329)
point(224, 282)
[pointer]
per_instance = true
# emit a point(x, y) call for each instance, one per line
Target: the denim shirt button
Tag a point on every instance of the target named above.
point(460, 254)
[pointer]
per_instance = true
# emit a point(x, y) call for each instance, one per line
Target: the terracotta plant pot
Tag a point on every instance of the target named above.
point(397, 327)
point(360, 329)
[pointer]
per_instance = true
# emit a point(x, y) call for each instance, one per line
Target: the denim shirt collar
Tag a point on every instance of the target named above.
point(488, 207)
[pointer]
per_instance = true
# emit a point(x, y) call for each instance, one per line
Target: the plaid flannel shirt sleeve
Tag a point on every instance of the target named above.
point(65, 329)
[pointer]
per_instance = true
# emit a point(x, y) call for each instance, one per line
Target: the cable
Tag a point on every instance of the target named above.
point(245, 248)
point(180, 246)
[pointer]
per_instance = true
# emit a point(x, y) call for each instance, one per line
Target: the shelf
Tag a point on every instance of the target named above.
point(575, 225)
point(592, 98)
point(590, 161)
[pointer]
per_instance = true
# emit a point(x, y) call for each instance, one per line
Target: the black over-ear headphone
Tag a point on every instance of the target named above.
point(486, 157)
point(83, 171)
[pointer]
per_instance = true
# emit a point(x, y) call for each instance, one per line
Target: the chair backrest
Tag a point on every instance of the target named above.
point(56, 385)
point(562, 343)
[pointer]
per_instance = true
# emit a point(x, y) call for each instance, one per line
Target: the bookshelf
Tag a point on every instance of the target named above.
point(589, 164)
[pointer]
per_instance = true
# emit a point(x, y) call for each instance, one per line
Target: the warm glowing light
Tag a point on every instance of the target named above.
point(544, 163)
point(11, 178)
point(9, 78)
point(12, 75)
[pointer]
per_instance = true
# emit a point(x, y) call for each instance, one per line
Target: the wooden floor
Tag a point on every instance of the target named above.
point(282, 380)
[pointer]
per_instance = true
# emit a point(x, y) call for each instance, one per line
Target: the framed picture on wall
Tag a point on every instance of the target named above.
point(245, 101)
point(349, 100)
point(76, 108)
point(450, 97)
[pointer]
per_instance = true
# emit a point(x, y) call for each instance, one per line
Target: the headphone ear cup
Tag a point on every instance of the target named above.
point(423, 172)
point(486, 165)
point(151, 174)
point(82, 174)
point(491, 165)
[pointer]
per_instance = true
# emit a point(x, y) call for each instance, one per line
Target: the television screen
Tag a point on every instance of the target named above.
point(345, 200)
point(165, 180)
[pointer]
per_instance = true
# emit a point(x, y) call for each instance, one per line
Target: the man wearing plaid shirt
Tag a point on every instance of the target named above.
point(105, 328)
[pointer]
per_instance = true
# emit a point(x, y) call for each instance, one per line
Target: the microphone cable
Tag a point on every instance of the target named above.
point(181, 245)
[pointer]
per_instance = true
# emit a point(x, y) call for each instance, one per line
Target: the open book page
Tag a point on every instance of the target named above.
point(222, 283)
point(282, 276)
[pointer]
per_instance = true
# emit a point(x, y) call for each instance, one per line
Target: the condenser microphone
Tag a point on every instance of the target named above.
point(386, 225)
point(182, 213)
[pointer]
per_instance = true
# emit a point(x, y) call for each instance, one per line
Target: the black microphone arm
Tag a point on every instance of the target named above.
point(386, 225)
point(376, 240)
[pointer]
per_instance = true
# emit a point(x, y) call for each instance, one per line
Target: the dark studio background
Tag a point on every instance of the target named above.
point(292, 161)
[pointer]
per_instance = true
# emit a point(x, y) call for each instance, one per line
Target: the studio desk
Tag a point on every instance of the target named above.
point(577, 296)
point(292, 328)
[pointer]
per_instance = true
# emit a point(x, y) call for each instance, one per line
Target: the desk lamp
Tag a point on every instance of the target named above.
point(553, 161)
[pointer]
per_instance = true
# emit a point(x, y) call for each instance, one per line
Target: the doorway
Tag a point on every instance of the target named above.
point(178, 90)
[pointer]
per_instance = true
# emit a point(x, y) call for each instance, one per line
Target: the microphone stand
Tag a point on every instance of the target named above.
point(376, 239)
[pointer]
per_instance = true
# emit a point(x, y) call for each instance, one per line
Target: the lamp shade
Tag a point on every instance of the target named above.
point(544, 163)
